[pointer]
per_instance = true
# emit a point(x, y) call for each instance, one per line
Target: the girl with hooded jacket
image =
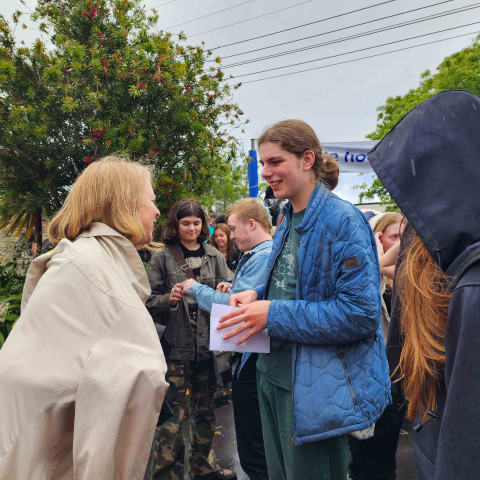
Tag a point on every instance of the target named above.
point(429, 164)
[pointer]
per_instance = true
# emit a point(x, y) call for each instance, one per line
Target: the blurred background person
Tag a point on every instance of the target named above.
point(146, 251)
point(223, 243)
point(211, 224)
point(374, 458)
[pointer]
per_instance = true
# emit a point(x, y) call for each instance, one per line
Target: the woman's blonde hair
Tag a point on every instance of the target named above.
point(110, 191)
point(387, 219)
point(424, 298)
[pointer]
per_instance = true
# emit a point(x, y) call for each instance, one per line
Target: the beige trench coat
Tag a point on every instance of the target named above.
point(82, 375)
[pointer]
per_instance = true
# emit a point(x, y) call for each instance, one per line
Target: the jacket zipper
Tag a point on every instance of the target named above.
point(285, 234)
point(341, 355)
point(292, 441)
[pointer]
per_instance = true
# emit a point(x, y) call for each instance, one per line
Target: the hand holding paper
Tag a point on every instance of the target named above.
point(255, 340)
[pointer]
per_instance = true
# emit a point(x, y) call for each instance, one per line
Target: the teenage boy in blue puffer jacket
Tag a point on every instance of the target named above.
point(327, 373)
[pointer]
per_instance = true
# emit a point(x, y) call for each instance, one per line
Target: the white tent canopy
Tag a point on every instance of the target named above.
point(351, 156)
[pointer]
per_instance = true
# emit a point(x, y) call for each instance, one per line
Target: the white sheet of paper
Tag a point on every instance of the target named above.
point(259, 343)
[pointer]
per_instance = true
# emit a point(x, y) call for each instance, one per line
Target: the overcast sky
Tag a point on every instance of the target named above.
point(338, 101)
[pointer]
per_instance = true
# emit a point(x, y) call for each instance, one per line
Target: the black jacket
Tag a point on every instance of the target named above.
point(430, 164)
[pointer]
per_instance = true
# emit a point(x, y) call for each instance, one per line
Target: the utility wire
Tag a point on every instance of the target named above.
point(209, 15)
point(355, 36)
point(163, 4)
point(248, 19)
point(331, 31)
point(358, 59)
point(355, 51)
point(305, 24)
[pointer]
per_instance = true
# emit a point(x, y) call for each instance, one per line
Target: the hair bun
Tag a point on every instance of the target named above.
point(330, 171)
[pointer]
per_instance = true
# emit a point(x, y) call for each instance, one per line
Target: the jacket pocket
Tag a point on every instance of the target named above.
point(342, 357)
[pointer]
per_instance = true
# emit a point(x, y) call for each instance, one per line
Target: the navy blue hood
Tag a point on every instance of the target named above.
point(430, 164)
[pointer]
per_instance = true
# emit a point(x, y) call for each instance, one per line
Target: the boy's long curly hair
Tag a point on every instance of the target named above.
point(422, 289)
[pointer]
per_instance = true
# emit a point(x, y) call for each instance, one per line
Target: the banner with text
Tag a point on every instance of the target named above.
point(351, 156)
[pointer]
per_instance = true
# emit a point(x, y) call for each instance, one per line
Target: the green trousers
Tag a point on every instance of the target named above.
point(322, 460)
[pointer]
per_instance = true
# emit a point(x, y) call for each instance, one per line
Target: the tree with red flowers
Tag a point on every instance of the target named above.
point(108, 83)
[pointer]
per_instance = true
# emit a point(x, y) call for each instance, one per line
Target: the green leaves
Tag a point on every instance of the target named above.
point(458, 71)
point(11, 286)
point(107, 70)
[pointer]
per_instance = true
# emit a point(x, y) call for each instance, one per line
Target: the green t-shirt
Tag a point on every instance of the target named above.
point(276, 366)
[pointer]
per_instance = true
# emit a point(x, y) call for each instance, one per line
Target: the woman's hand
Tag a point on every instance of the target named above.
point(175, 294)
point(387, 262)
point(380, 250)
point(251, 318)
point(242, 298)
point(224, 287)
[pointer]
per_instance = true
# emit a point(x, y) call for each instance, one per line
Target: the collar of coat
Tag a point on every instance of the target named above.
point(118, 249)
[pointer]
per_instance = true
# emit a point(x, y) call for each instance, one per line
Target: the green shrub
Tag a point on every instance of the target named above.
point(11, 287)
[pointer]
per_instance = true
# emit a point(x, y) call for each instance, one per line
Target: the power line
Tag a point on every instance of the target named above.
point(332, 31)
point(248, 19)
point(355, 51)
point(209, 15)
point(304, 25)
point(355, 36)
point(163, 4)
point(361, 58)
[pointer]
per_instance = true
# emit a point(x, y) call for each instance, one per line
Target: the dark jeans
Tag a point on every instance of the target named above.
point(374, 458)
point(248, 424)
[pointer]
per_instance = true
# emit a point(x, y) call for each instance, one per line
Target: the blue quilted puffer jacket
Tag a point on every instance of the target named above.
point(340, 372)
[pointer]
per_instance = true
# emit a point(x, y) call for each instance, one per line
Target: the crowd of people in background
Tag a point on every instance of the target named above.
point(372, 319)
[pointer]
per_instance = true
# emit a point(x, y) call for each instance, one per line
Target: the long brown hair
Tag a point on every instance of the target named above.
point(224, 228)
point(296, 136)
point(422, 289)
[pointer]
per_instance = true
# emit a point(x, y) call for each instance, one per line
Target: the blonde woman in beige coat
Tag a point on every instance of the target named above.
point(82, 375)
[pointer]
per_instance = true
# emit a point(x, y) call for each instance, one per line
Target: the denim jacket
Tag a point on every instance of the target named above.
point(250, 274)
